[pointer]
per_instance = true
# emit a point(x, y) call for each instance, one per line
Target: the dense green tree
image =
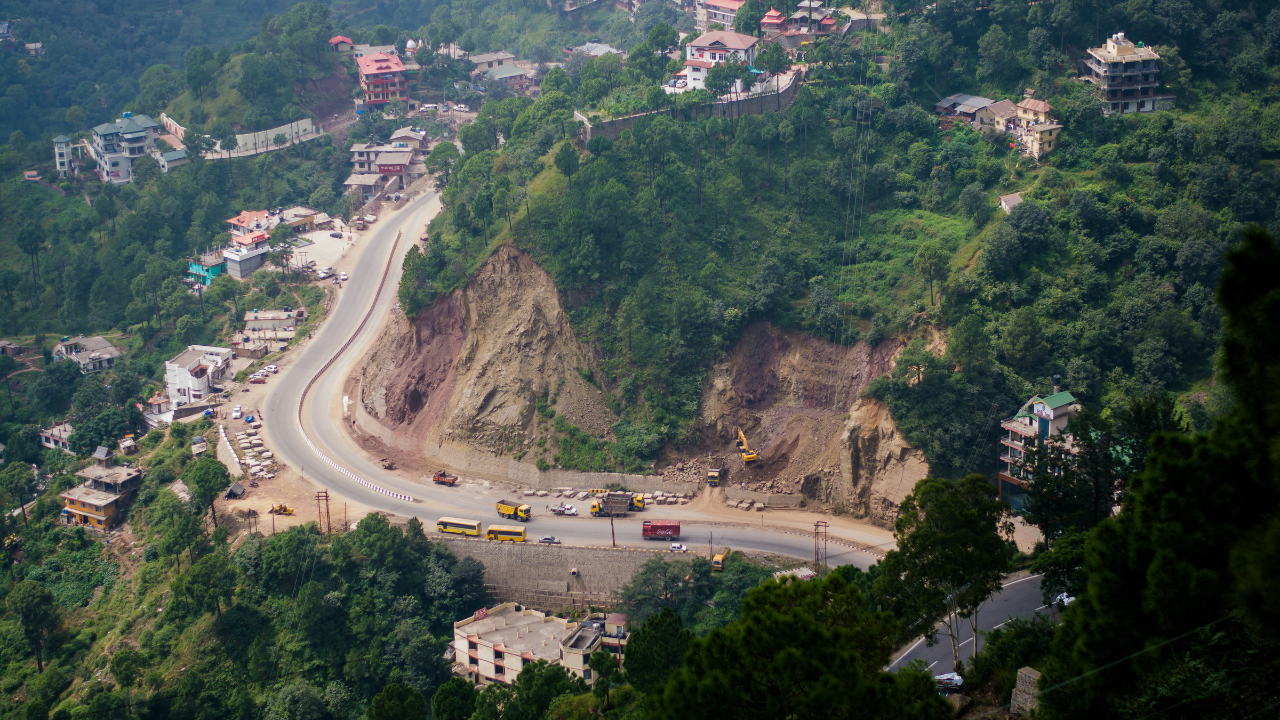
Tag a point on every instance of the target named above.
point(32, 604)
point(655, 650)
point(397, 702)
point(806, 650)
point(455, 700)
point(566, 161)
point(933, 265)
point(207, 478)
point(951, 555)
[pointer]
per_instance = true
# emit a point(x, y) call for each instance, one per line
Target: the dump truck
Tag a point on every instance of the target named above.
point(513, 510)
point(748, 455)
point(443, 478)
point(716, 472)
point(660, 530)
point(637, 502)
point(387, 464)
point(616, 504)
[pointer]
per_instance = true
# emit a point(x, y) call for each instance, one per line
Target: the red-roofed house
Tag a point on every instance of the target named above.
point(340, 43)
point(382, 79)
point(772, 22)
point(716, 11)
point(713, 48)
point(248, 221)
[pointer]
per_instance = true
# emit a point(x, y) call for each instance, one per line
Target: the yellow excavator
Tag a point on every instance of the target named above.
point(748, 455)
point(280, 509)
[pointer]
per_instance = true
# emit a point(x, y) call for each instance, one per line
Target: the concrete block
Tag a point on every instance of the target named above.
point(684, 501)
point(528, 493)
point(541, 493)
point(1025, 692)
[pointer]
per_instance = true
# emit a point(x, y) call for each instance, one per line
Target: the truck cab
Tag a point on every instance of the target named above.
point(513, 510)
point(716, 473)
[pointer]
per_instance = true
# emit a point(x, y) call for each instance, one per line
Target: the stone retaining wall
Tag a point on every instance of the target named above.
point(789, 501)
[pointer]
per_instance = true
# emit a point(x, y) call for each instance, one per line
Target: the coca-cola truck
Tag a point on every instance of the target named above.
point(661, 530)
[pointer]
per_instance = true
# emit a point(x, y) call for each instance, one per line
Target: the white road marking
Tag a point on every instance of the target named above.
point(966, 642)
point(1015, 582)
point(908, 652)
point(935, 662)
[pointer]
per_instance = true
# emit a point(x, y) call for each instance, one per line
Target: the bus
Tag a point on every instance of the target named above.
point(505, 532)
point(459, 526)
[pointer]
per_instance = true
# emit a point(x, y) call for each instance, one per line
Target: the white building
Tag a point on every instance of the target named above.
point(62, 155)
point(193, 375)
point(273, 319)
point(92, 354)
point(116, 145)
point(715, 48)
point(707, 12)
point(246, 253)
point(495, 643)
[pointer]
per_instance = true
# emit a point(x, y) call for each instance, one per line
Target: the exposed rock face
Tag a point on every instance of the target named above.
point(467, 370)
point(796, 397)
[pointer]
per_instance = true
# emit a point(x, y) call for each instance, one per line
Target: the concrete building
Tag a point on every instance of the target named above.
point(249, 221)
point(205, 268)
point(246, 253)
point(116, 145)
point(1127, 76)
point(1036, 130)
point(811, 18)
point(56, 437)
point(340, 43)
point(496, 643)
point(707, 12)
point(93, 354)
point(62, 155)
point(998, 116)
point(195, 373)
point(516, 78)
point(410, 137)
point(962, 105)
point(1010, 201)
point(96, 503)
point(172, 159)
point(365, 185)
point(595, 50)
point(382, 79)
point(273, 319)
point(713, 48)
point(485, 62)
point(773, 21)
point(1037, 420)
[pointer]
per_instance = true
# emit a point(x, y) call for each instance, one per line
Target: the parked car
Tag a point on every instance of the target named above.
point(322, 275)
point(335, 235)
point(343, 276)
point(681, 83)
point(462, 108)
point(272, 369)
point(672, 83)
point(236, 413)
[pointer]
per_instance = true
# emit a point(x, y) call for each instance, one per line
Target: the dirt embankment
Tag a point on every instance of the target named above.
point(463, 377)
point(796, 397)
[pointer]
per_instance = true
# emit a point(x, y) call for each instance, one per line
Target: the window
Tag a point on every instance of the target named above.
point(586, 673)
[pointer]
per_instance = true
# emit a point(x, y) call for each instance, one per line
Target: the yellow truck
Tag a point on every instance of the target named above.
point(717, 562)
point(513, 510)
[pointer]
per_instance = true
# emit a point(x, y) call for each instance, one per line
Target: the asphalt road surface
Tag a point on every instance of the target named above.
point(470, 500)
point(1019, 598)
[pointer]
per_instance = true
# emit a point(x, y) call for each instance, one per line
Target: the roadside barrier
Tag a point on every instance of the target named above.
point(302, 400)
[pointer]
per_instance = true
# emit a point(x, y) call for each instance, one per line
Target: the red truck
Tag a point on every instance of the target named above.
point(442, 478)
point(661, 530)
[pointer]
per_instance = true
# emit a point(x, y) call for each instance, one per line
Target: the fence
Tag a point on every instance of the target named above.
point(769, 500)
point(753, 105)
point(256, 143)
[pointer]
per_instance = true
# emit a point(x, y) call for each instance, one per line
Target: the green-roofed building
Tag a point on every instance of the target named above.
point(516, 78)
point(116, 145)
point(1037, 420)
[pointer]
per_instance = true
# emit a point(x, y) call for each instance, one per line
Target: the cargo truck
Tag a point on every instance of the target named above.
point(637, 502)
point(660, 530)
point(513, 510)
point(616, 504)
point(443, 478)
point(716, 472)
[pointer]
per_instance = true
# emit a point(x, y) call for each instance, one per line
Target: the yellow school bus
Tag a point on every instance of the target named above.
point(505, 532)
point(459, 526)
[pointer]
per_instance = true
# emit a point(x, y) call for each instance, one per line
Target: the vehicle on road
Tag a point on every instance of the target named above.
point(562, 509)
point(615, 503)
point(443, 478)
point(458, 526)
point(514, 510)
point(637, 502)
point(237, 413)
point(677, 547)
point(548, 540)
point(716, 473)
point(505, 533)
point(335, 235)
point(343, 277)
point(660, 530)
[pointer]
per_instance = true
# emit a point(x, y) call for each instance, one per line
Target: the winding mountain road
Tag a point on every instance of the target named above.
point(295, 414)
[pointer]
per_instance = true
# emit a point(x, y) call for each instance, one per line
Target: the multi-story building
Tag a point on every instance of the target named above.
point(1035, 128)
point(713, 48)
point(116, 145)
point(273, 319)
point(811, 18)
point(246, 253)
point(249, 221)
point(484, 62)
point(57, 437)
point(62, 155)
point(194, 373)
point(496, 643)
point(1037, 420)
point(708, 12)
point(96, 503)
point(92, 354)
point(516, 78)
point(773, 21)
point(382, 80)
point(1127, 76)
point(205, 268)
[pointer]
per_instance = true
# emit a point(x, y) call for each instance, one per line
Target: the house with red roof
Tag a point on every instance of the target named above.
point(248, 221)
point(714, 48)
point(382, 79)
point(340, 43)
point(772, 22)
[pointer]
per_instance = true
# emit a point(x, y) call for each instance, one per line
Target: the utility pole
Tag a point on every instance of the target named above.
point(711, 545)
point(611, 530)
point(820, 544)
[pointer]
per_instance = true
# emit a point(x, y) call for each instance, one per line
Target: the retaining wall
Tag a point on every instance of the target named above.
point(754, 105)
point(770, 500)
point(544, 576)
